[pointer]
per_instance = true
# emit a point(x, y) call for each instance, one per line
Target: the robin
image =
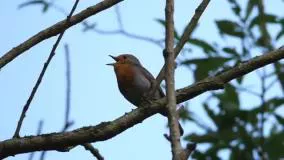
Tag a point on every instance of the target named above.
point(134, 81)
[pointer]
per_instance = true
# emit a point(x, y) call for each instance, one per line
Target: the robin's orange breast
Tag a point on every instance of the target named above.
point(125, 74)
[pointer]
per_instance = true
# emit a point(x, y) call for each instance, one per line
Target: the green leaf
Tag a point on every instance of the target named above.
point(274, 103)
point(272, 142)
point(161, 21)
point(266, 18)
point(229, 98)
point(205, 65)
point(185, 114)
point(231, 51)
point(45, 5)
point(249, 116)
point(222, 122)
point(235, 7)
point(211, 114)
point(279, 72)
point(251, 4)
point(279, 118)
point(261, 41)
point(280, 34)
point(230, 28)
point(240, 153)
point(208, 138)
point(207, 48)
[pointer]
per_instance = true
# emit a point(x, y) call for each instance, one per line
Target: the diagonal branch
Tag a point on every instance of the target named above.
point(93, 150)
point(55, 29)
point(67, 122)
point(51, 55)
point(184, 38)
point(107, 130)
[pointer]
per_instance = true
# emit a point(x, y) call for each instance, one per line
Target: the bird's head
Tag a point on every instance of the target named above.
point(124, 59)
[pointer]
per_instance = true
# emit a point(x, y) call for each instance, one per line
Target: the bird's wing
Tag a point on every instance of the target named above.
point(151, 78)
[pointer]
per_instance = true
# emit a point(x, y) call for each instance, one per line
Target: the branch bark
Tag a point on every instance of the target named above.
point(55, 29)
point(184, 38)
point(170, 81)
point(93, 150)
point(107, 130)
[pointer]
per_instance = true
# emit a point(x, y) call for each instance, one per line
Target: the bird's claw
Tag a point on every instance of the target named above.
point(146, 98)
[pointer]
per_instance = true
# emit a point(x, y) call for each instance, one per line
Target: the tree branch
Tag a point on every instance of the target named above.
point(39, 128)
point(67, 122)
point(122, 31)
point(107, 130)
point(93, 150)
point(52, 53)
point(184, 38)
point(55, 29)
point(170, 81)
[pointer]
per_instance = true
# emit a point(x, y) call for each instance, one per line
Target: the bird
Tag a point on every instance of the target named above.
point(134, 81)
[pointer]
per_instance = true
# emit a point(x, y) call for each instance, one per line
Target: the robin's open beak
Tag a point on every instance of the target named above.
point(113, 57)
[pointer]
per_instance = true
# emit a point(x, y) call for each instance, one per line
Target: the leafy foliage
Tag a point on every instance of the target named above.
point(230, 28)
point(235, 129)
point(205, 65)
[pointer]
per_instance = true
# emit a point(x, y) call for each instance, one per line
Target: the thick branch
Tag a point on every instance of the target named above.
point(170, 81)
point(108, 130)
point(55, 141)
point(55, 29)
point(218, 81)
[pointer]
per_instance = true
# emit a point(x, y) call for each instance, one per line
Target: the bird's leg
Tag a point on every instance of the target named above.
point(145, 100)
point(152, 89)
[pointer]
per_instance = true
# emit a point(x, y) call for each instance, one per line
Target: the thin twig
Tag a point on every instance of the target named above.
point(274, 81)
point(262, 119)
point(42, 155)
point(67, 122)
point(118, 17)
point(39, 129)
point(93, 150)
point(55, 29)
point(124, 32)
point(170, 81)
point(119, 31)
point(184, 38)
point(107, 130)
point(188, 150)
point(248, 90)
point(52, 53)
